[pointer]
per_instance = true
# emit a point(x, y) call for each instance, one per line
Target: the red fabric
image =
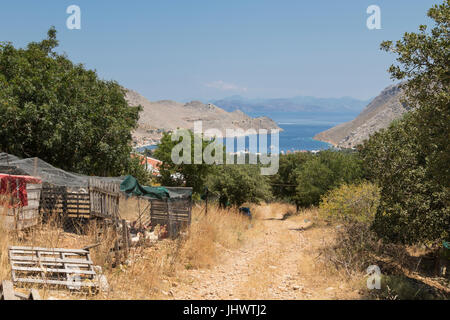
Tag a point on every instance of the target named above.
point(16, 186)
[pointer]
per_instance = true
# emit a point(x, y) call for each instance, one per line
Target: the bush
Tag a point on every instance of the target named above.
point(355, 248)
point(238, 184)
point(400, 287)
point(414, 203)
point(323, 172)
point(354, 206)
point(351, 203)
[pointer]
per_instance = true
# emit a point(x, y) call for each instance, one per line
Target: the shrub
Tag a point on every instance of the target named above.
point(239, 184)
point(323, 172)
point(400, 287)
point(355, 202)
point(354, 206)
point(414, 203)
point(354, 248)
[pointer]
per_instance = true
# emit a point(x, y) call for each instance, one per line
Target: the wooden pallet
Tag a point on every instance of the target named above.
point(47, 266)
point(59, 200)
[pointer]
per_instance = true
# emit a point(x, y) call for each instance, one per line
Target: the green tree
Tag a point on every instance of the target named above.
point(424, 62)
point(413, 206)
point(285, 181)
point(239, 184)
point(323, 172)
point(172, 174)
point(410, 159)
point(62, 113)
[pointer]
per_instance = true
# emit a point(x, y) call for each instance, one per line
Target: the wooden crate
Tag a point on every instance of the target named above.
point(78, 205)
point(49, 266)
point(172, 213)
point(60, 201)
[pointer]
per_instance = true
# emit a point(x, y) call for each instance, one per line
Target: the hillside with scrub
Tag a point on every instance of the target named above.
point(327, 225)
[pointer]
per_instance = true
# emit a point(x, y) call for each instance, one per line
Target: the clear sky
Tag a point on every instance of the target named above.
point(206, 49)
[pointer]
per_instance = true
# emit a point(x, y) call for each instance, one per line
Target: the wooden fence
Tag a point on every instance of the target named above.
point(104, 199)
point(101, 200)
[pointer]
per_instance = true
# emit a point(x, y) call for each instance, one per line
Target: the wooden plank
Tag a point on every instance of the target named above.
point(50, 265)
point(50, 270)
point(48, 249)
point(37, 259)
point(34, 295)
point(175, 216)
point(7, 291)
point(21, 296)
point(57, 282)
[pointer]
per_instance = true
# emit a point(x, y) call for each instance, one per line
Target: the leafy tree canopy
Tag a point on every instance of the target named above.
point(237, 184)
point(323, 172)
point(410, 159)
point(424, 62)
point(172, 174)
point(62, 113)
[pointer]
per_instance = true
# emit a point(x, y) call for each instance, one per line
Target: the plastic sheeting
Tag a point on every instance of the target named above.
point(10, 164)
point(131, 187)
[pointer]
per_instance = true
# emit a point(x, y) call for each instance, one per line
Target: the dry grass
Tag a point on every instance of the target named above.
point(4, 243)
point(154, 270)
point(149, 269)
point(208, 233)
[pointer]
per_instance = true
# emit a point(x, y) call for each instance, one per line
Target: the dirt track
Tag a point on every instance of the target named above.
point(277, 261)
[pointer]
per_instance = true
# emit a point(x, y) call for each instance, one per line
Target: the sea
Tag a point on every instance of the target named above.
point(299, 128)
point(294, 137)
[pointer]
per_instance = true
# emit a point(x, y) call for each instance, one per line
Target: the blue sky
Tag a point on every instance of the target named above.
point(205, 49)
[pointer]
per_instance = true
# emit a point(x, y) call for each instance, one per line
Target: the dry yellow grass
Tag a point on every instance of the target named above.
point(149, 267)
point(269, 248)
point(4, 243)
point(153, 270)
point(208, 233)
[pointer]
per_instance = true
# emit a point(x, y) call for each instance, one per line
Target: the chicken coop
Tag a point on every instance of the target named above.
point(174, 213)
point(67, 195)
point(170, 207)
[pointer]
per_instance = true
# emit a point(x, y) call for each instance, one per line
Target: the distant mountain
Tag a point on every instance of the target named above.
point(296, 104)
point(167, 115)
point(377, 115)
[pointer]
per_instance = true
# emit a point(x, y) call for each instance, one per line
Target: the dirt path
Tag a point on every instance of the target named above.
point(277, 263)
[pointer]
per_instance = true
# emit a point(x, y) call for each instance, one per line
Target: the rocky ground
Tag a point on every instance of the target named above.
point(277, 264)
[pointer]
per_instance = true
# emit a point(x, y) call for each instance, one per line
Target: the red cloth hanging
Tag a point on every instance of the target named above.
point(16, 187)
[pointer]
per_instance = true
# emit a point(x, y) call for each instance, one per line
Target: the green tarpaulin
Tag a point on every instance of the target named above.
point(131, 187)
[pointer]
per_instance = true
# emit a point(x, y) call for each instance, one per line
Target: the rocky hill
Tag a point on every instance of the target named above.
point(377, 115)
point(166, 115)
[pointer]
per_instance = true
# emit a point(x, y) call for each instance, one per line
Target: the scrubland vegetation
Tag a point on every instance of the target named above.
point(321, 221)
